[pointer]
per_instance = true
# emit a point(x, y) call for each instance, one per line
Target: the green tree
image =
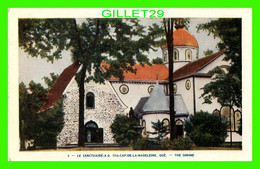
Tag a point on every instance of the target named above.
point(229, 31)
point(124, 130)
point(208, 52)
point(42, 128)
point(119, 42)
point(157, 61)
point(49, 125)
point(30, 101)
point(160, 129)
point(227, 87)
point(206, 129)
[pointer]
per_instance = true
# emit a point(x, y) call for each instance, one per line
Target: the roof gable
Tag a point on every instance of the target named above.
point(60, 85)
point(194, 67)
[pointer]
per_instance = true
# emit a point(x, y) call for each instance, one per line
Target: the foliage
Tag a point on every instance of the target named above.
point(124, 130)
point(42, 128)
point(229, 31)
point(206, 129)
point(143, 143)
point(50, 81)
point(180, 143)
point(160, 129)
point(208, 52)
point(157, 61)
point(119, 42)
point(49, 125)
point(226, 87)
point(30, 101)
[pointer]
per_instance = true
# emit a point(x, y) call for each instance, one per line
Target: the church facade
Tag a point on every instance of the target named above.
point(144, 92)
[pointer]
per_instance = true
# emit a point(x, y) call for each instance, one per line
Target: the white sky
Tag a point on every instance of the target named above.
point(36, 68)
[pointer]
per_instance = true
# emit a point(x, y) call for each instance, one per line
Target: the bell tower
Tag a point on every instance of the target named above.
point(185, 48)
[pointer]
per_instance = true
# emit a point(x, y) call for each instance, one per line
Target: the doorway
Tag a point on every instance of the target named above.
point(93, 134)
point(179, 128)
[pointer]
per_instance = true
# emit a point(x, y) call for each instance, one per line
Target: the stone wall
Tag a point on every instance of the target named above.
point(106, 107)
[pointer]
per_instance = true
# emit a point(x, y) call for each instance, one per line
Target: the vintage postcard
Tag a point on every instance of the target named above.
point(96, 84)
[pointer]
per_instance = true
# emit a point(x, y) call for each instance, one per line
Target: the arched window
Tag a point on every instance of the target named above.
point(144, 127)
point(91, 124)
point(90, 100)
point(216, 112)
point(238, 120)
point(166, 123)
point(165, 55)
point(227, 115)
point(188, 55)
point(196, 54)
point(175, 55)
point(175, 88)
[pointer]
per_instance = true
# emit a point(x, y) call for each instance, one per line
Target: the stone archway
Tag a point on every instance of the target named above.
point(93, 134)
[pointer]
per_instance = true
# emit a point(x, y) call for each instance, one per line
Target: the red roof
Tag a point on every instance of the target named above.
point(60, 85)
point(181, 37)
point(145, 72)
point(194, 67)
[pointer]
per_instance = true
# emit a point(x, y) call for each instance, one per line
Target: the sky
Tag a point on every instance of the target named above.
point(36, 68)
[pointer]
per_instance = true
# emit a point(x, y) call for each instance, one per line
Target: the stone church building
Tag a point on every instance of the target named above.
point(145, 92)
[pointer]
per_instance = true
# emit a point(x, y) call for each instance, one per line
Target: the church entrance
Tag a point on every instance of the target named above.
point(179, 128)
point(93, 134)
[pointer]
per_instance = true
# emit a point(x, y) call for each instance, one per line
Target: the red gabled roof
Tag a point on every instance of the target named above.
point(60, 85)
point(194, 67)
point(143, 73)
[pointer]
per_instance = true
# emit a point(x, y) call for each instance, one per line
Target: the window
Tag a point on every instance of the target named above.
point(188, 84)
point(188, 54)
point(175, 88)
point(150, 89)
point(179, 128)
point(238, 120)
point(144, 127)
point(165, 55)
point(196, 54)
point(227, 115)
point(216, 112)
point(176, 54)
point(166, 123)
point(124, 89)
point(90, 100)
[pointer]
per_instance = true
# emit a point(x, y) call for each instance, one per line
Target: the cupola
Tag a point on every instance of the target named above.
point(185, 48)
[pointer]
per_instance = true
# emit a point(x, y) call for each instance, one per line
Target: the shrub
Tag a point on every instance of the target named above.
point(166, 144)
point(180, 143)
point(146, 144)
point(160, 129)
point(124, 130)
point(205, 129)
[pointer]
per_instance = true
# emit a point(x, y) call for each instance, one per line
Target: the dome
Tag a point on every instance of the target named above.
point(181, 37)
